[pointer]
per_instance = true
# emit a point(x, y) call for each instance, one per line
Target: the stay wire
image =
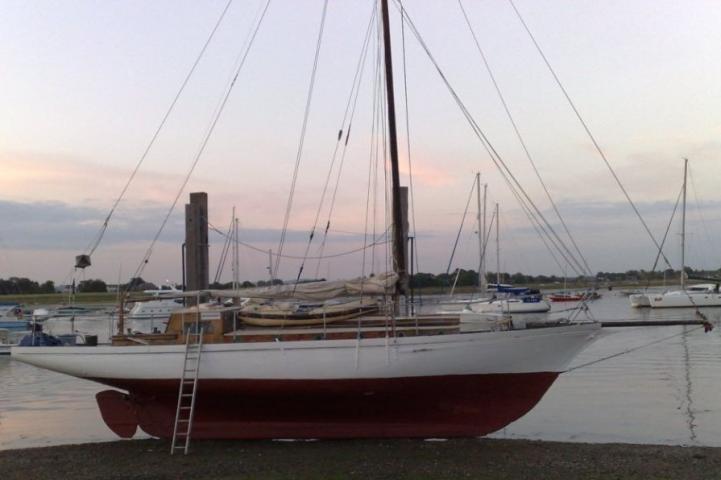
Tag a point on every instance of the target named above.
point(241, 63)
point(699, 211)
point(93, 245)
point(299, 153)
point(349, 110)
point(460, 228)
point(495, 156)
point(520, 137)
point(665, 235)
point(408, 137)
point(588, 132)
point(224, 252)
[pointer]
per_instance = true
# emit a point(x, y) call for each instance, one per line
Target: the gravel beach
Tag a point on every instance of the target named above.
point(366, 459)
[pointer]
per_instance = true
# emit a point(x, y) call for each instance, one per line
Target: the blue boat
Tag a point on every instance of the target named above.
point(11, 316)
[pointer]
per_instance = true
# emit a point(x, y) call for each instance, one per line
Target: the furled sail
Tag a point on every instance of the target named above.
point(383, 284)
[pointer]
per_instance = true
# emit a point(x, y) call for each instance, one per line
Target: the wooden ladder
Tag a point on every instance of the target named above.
point(187, 393)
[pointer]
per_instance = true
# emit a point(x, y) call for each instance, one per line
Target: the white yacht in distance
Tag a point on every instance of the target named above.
point(639, 300)
point(701, 295)
point(145, 316)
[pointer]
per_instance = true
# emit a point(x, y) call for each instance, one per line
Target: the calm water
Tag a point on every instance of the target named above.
point(659, 385)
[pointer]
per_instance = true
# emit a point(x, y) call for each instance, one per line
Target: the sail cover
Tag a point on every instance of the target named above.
point(383, 284)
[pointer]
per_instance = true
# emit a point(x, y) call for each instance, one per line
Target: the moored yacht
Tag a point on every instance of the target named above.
point(701, 295)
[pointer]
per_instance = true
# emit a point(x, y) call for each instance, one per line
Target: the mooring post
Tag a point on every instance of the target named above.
point(197, 273)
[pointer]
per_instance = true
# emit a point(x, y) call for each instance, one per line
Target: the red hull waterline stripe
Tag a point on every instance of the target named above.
point(441, 406)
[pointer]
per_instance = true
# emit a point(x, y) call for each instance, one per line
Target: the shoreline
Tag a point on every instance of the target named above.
point(482, 458)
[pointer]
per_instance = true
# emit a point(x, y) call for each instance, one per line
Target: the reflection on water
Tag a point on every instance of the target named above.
point(637, 385)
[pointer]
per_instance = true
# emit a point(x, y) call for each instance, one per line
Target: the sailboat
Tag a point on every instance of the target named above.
point(448, 305)
point(517, 300)
point(702, 295)
point(211, 376)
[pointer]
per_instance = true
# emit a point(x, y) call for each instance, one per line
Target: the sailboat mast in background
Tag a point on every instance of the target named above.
point(683, 227)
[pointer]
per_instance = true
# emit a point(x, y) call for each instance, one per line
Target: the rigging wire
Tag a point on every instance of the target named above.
point(500, 164)
point(660, 340)
point(331, 209)
point(588, 131)
point(380, 240)
point(93, 245)
point(408, 136)
point(700, 212)
point(95, 242)
point(224, 252)
point(665, 235)
point(352, 99)
point(520, 137)
point(204, 143)
point(460, 228)
point(299, 153)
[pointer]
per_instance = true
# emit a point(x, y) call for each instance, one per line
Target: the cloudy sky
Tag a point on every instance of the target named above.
point(85, 84)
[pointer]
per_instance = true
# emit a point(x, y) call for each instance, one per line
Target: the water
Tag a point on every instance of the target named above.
point(661, 385)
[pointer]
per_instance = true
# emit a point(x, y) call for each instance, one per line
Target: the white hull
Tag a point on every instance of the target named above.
point(639, 300)
point(512, 306)
point(515, 351)
point(680, 299)
point(455, 306)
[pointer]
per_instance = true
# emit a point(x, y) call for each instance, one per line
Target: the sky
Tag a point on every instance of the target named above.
point(85, 84)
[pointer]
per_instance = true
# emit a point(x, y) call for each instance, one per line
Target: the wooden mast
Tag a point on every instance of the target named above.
point(399, 244)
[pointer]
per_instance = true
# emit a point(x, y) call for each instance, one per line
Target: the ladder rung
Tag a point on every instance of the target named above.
point(187, 394)
point(185, 408)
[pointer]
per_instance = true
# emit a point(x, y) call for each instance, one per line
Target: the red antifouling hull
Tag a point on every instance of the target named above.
point(441, 406)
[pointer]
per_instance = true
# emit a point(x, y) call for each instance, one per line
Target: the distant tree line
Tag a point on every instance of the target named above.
point(643, 275)
point(466, 278)
point(21, 285)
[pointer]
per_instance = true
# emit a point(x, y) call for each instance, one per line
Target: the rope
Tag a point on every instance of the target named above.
point(588, 131)
point(299, 153)
point(520, 138)
point(378, 241)
point(593, 362)
point(221, 107)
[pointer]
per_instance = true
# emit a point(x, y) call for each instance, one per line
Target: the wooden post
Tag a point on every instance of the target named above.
point(403, 280)
point(197, 272)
